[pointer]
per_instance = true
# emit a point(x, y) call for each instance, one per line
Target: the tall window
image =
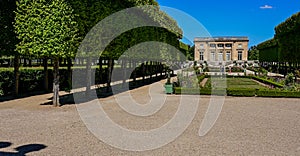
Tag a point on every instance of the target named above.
point(228, 56)
point(212, 56)
point(220, 57)
point(201, 55)
point(240, 55)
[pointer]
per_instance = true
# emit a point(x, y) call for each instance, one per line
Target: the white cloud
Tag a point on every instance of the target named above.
point(266, 7)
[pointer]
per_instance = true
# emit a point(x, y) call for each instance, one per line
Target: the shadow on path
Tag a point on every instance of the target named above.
point(21, 150)
point(103, 92)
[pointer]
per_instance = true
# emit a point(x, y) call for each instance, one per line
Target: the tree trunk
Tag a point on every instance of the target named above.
point(110, 67)
point(56, 82)
point(46, 75)
point(100, 70)
point(124, 66)
point(88, 75)
point(69, 65)
point(134, 71)
point(30, 62)
point(143, 71)
point(151, 70)
point(17, 74)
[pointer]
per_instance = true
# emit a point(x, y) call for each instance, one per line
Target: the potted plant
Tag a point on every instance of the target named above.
point(168, 85)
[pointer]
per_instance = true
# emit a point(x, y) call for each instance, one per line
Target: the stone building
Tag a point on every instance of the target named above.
point(219, 49)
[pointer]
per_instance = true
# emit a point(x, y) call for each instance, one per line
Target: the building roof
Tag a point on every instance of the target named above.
point(221, 38)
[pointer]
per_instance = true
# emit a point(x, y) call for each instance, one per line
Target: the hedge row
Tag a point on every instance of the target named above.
point(262, 80)
point(198, 91)
point(238, 92)
point(268, 82)
point(32, 79)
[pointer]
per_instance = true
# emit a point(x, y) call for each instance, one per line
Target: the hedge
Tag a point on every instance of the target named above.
point(278, 93)
point(241, 92)
point(198, 91)
point(31, 80)
point(247, 92)
point(268, 82)
point(201, 78)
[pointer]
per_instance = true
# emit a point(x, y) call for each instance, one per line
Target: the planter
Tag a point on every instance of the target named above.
point(168, 88)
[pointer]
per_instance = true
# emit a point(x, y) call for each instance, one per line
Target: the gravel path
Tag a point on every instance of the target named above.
point(246, 126)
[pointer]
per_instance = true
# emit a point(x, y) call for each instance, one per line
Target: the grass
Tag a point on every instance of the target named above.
point(236, 83)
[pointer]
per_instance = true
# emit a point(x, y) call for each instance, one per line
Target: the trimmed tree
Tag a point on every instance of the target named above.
point(47, 29)
point(253, 53)
point(8, 38)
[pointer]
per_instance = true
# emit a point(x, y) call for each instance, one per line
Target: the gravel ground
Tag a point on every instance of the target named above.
point(246, 126)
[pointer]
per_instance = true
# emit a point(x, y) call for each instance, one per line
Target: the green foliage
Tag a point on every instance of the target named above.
point(278, 93)
point(285, 46)
point(289, 80)
point(31, 80)
point(201, 78)
point(246, 92)
point(268, 82)
point(241, 92)
point(7, 37)
point(253, 53)
point(234, 69)
point(184, 80)
point(297, 73)
point(269, 51)
point(198, 91)
point(46, 28)
point(288, 35)
point(190, 53)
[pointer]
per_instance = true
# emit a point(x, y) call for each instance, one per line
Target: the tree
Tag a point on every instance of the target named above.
point(8, 38)
point(287, 34)
point(253, 53)
point(47, 29)
point(191, 53)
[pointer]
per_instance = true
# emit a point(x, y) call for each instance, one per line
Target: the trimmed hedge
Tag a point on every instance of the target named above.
point(268, 82)
point(201, 78)
point(238, 92)
point(198, 91)
point(31, 80)
point(241, 92)
point(278, 93)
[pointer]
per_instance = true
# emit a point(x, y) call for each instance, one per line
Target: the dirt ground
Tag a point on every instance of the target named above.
point(246, 126)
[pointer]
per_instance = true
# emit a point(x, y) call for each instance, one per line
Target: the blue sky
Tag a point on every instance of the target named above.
point(253, 18)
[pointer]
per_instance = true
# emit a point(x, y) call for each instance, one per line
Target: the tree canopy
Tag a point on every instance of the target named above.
point(285, 46)
point(8, 36)
point(46, 28)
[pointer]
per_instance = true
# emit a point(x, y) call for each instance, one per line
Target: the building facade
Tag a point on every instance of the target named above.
point(219, 49)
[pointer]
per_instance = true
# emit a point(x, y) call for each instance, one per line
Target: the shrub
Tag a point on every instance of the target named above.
point(201, 77)
point(268, 82)
point(31, 80)
point(198, 91)
point(241, 92)
point(289, 80)
point(278, 93)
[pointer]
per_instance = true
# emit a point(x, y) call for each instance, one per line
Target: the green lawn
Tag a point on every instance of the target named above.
point(233, 83)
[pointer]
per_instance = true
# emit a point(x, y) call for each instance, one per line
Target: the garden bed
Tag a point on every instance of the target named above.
point(238, 86)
